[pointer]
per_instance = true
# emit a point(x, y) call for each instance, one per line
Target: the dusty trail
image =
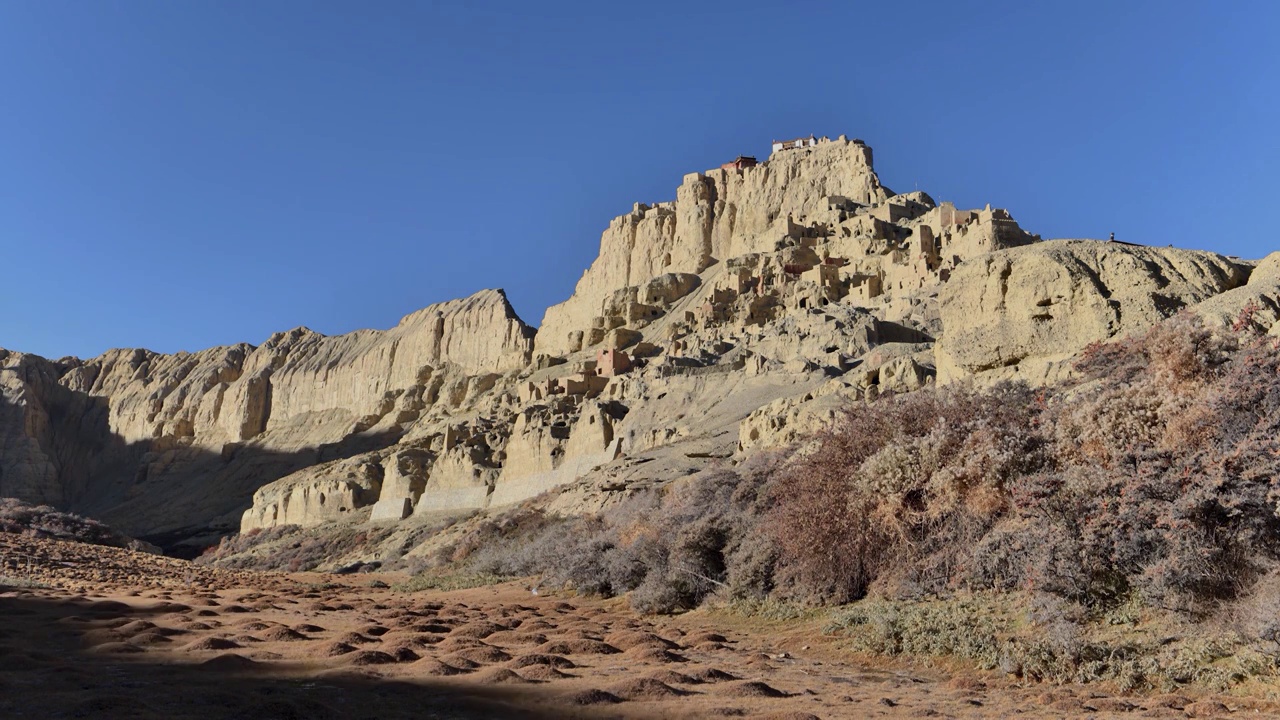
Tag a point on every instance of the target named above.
point(104, 633)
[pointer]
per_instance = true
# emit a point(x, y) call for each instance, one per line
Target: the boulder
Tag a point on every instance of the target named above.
point(620, 338)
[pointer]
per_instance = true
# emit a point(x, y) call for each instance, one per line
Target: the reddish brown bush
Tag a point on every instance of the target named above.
point(1154, 474)
point(906, 484)
point(289, 547)
point(1157, 471)
point(671, 548)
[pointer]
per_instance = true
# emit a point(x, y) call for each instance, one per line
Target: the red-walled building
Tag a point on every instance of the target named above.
point(742, 161)
point(610, 362)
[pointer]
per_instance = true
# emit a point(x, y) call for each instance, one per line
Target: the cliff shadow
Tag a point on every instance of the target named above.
point(167, 491)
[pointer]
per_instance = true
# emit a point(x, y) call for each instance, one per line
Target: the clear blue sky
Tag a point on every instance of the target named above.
point(177, 175)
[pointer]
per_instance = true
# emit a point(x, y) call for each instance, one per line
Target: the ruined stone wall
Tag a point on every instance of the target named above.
point(717, 215)
point(793, 280)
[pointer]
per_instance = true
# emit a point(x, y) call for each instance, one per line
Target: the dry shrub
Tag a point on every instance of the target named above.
point(46, 522)
point(1041, 637)
point(703, 538)
point(510, 529)
point(1178, 500)
point(900, 488)
point(228, 549)
point(670, 548)
point(1156, 472)
point(1149, 481)
point(1257, 614)
point(291, 548)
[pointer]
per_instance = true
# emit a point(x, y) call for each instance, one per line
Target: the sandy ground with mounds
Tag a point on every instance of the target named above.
point(94, 632)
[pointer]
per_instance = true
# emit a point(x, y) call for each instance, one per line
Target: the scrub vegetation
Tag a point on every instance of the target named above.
point(1020, 528)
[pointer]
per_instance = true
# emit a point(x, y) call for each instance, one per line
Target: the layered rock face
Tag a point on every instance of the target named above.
point(1255, 306)
point(756, 307)
point(716, 215)
point(237, 393)
point(181, 438)
point(757, 284)
point(1024, 312)
point(27, 466)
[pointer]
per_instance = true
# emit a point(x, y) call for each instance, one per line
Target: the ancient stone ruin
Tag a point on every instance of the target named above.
point(740, 315)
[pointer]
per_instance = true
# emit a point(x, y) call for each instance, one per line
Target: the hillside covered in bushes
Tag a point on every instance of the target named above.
point(1010, 525)
point(1151, 474)
point(1144, 487)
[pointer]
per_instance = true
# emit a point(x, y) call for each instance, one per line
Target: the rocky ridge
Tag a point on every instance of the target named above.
point(1027, 314)
point(740, 315)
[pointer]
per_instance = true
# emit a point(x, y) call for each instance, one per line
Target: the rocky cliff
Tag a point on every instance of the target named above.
point(741, 315)
point(1027, 312)
point(162, 443)
point(716, 215)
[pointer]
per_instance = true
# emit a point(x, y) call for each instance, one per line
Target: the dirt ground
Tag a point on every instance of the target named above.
point(92, 632)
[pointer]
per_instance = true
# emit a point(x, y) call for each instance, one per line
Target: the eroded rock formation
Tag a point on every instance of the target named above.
point(1025, 312)
point(169, 443)
point(751, 310)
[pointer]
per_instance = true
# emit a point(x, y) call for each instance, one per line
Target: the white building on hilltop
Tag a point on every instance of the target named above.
point(797, 143)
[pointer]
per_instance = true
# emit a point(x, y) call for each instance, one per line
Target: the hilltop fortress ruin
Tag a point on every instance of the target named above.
point(739, 315)
point(811, 225)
